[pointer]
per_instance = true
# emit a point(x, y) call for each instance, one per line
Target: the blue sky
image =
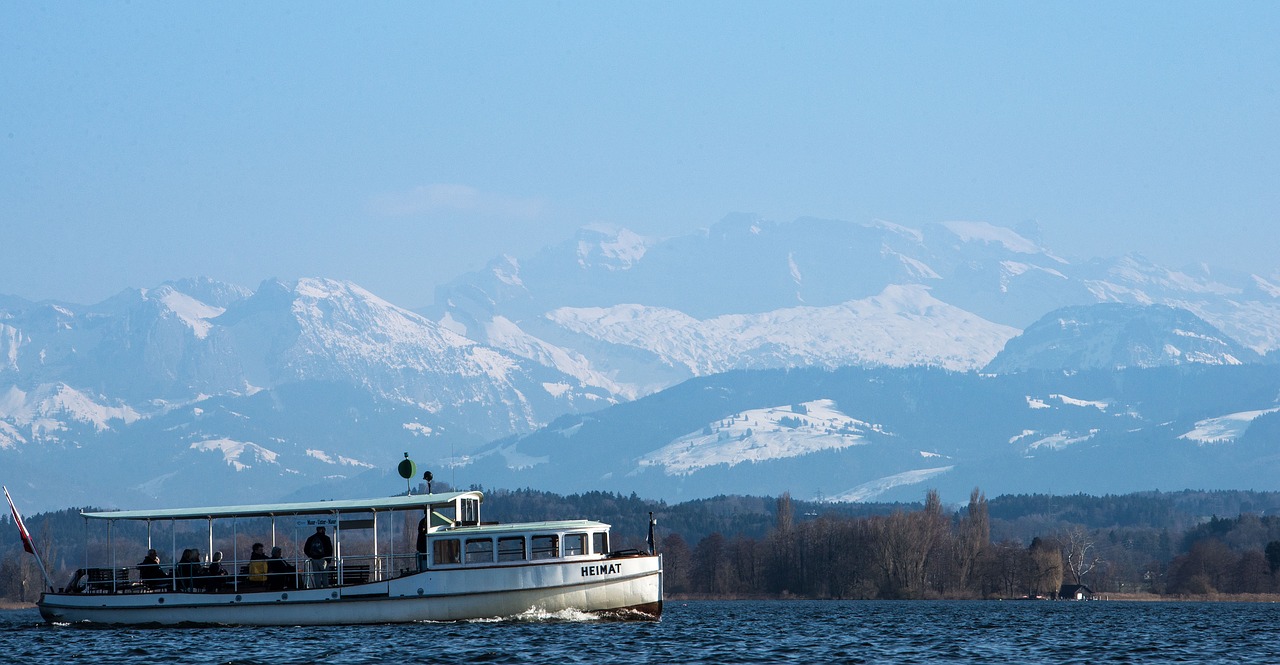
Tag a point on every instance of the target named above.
point(399, 144)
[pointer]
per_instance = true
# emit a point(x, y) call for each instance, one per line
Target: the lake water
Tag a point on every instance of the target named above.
point(709, 632)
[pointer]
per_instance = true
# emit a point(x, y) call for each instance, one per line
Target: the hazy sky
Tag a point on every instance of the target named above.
point(399, 144)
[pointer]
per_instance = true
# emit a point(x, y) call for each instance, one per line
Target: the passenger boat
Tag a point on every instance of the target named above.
point(467, 568)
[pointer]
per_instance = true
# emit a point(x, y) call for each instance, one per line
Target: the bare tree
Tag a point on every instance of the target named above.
point(712, 570)
point(1077, 553)
point(786, 551)
point(1003, 567)
point(786, 516)
point(1044, 573)
point(903, 544)
point(1250, 574)
point(974, 537)
point(1204, 569)
point(677, 559)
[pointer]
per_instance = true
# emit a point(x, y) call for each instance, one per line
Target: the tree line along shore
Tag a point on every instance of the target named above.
point(1203, 545)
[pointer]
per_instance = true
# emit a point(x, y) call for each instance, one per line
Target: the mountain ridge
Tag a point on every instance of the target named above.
point(744, 267)
point(302, 384)
point(879, 433)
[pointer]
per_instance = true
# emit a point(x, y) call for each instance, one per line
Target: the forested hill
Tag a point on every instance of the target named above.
point(1176, 511)
point(1019, 517)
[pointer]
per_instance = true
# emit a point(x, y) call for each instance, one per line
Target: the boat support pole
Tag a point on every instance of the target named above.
point(111, 548)
point(173, 554)
point(235, 553)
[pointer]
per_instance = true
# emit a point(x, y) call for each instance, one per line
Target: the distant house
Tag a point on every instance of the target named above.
point(1075, 592)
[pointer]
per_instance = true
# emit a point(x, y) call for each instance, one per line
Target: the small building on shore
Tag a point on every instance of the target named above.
point(1075, 592)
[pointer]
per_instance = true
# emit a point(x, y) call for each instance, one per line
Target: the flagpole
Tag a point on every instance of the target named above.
point(27, 543)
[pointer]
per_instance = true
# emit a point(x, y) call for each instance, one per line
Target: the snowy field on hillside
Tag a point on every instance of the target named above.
point(872, 489)
point(762, 434)
point(1224, 429)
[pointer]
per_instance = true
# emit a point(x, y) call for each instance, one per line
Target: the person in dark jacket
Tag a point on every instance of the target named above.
point(188, 570)
point(216, 574)
point(424, 528)
point(318, 548)
point(281, 574)
point(150, 572)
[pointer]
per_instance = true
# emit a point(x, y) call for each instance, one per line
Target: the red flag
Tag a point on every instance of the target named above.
point(27, 544)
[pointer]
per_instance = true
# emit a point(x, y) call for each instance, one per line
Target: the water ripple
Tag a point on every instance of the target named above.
point(706, 632)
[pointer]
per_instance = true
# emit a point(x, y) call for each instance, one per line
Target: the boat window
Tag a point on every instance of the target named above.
point(600, 542)
point(479, 550)
point(546, 547)
point(575, 544)
point(468, 511)
point(511, 548)
point(446, 551)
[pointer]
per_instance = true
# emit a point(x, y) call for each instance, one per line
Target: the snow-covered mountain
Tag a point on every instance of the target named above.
point(197, 386)
point(1110, 335)
point(633, 315)
point(866, 331)
point(857, 434)
point(223, 370)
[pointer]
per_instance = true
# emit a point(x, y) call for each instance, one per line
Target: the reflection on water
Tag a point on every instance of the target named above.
point(708, 632)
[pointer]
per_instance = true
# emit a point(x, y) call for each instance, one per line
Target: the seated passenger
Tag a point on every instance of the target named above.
point(150, 572)
point(215, 575)
point(258, 565)
point(282, 574)
point(188, 570)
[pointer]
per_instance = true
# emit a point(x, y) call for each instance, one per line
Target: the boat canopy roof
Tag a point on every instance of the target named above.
point(422, 501)
point(505, 527)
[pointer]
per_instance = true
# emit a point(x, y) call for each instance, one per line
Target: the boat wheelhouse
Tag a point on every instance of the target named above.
point(457, 568)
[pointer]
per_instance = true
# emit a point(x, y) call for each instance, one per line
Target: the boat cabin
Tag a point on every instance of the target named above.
point(515, 544)
point(373, 540)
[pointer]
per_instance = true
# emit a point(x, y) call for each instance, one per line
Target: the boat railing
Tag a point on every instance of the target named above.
point(342, 571)
point(362, 568)
point(106, 580)
point(353, 569)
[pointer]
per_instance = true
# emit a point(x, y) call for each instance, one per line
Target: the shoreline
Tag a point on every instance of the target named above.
point(11, 605)
point(1201, 598)
point(1106, 597)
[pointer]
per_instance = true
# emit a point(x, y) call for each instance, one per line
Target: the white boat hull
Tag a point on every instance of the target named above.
point(629, 587)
